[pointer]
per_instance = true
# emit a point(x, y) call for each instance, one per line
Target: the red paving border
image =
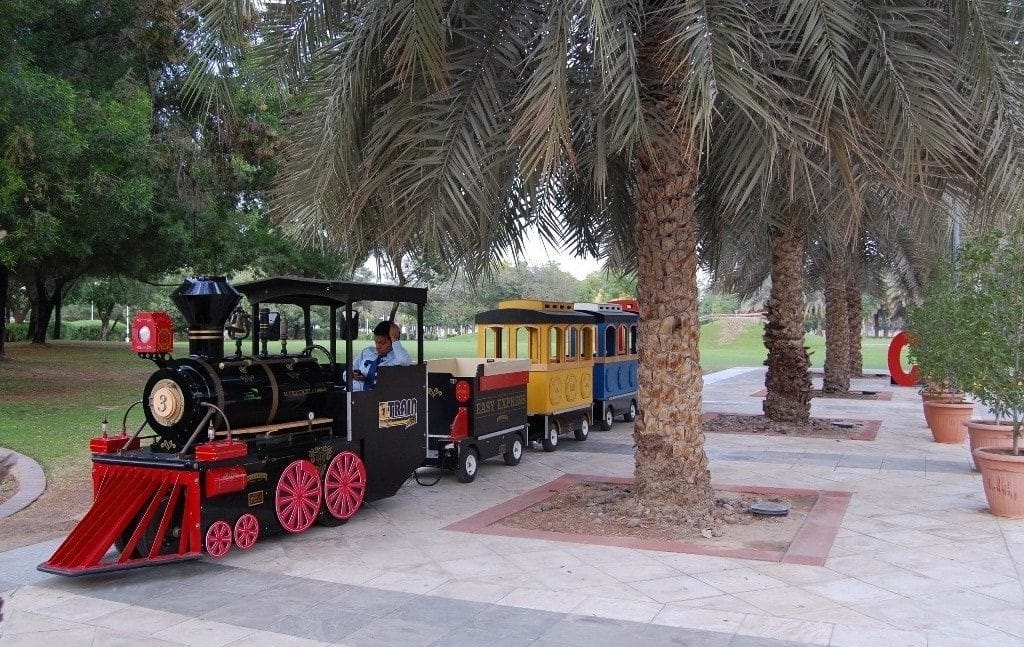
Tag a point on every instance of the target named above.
point(809, 546)
point(869, 430)
point(880, 396)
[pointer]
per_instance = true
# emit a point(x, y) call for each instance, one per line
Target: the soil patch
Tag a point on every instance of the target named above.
point(838, 428)
point(67, 497)
point(602, 510)
point(8, 487)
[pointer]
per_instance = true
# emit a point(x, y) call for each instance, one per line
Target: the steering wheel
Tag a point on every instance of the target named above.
point(308, 352)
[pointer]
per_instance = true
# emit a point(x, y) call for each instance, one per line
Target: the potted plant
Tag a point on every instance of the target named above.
point(935, 346)
point(985, 305)
point(991, 284)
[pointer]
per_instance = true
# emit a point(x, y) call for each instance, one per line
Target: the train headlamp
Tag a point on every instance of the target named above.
point(152, 332)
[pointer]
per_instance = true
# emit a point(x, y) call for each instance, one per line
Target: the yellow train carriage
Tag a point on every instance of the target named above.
point(559, 342)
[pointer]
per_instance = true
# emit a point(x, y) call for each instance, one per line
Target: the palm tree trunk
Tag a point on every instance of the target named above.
point(788, 382)
point(837, 328)
point(853, 314)
point(671, 466)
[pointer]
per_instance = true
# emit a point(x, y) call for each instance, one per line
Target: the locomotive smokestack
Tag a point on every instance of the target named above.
point(206, 302)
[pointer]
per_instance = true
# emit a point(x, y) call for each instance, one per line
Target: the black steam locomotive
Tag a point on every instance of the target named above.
point(240, 446)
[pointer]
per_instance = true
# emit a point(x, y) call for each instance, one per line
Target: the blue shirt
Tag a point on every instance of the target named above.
point(397, 356)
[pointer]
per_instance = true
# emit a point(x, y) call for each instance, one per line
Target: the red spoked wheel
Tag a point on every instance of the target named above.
point(218, 539)
point(345, 485)
point(297, 496)
point(247, 531)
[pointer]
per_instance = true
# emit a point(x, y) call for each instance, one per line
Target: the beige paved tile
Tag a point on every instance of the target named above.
point(786, 600)
point(843, 636)
point(850, 590)
point(83, 636)
point(544, 600)
point(739, 579)
point(80, 608)
point(270, 639)
point(139, 620)
point(630, 610)
point(674, 589)
point(204, 633)
point(806, 631)
point(721, 621)
point(474, 590)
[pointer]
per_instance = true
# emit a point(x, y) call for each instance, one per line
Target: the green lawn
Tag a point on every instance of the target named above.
point(53, 397)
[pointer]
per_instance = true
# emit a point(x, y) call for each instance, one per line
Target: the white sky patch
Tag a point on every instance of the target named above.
point(539, 253)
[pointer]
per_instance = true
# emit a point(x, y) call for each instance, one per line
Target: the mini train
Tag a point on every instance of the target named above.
point(240, 446)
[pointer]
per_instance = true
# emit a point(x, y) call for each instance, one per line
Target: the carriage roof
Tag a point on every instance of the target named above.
point(310, 292)
point(608, 312)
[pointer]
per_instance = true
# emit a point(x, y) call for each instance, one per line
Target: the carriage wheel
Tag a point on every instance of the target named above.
point(218, 539)
point(631, 414)
point(344, 485)
point(608, 418)
point(247, 531)
point(583, 430)
point(515, 452)
point(467, 465)
point(550, 440)
point(297, 496)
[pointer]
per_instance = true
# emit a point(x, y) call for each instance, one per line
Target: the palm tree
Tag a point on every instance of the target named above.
point(462, 123)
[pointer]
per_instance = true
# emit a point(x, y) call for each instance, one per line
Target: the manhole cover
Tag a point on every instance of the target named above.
point(769, 509)
point(845, 424)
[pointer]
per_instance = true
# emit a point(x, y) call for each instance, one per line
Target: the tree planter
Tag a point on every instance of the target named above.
point(1002, 474)
point(946, 419)
point(932, 396)
point(988, 433)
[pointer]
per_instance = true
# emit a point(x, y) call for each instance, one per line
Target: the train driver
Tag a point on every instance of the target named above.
point(387, 350)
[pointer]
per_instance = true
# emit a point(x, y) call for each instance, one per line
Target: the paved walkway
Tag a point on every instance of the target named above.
point(917, 561)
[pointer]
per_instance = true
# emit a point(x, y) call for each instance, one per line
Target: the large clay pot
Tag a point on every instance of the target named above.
point(946, 419)
point(988, 433)
point(937, 396)
point(1003, 477)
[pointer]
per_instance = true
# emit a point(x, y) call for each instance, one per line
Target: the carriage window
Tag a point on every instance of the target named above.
point(571, 343)
point(555, 336)
point(492, 341)
point(621, 346)
point(609, 341)
point(632, 340)
point(526, 344)
point(587, 347)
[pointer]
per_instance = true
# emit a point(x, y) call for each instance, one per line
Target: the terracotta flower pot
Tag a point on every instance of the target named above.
point(937, 396)
point(946, 419)
point(1002, 475)
point(988, 433)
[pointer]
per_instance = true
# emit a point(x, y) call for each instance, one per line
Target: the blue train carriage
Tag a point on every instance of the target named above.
point(615, 362)
point(558, 341)
point(477, 412)
point(234, 447)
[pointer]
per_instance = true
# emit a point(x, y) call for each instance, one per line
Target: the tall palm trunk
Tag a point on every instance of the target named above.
point(853, 315)
point(788, 382)
point(671, 466)
point(837, 328)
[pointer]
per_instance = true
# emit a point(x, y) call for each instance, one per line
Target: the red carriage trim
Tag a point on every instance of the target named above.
point(504, 380)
